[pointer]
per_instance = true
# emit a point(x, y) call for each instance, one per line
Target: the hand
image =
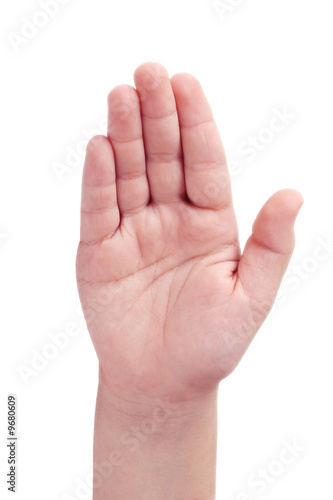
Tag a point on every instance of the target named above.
point(170, 301)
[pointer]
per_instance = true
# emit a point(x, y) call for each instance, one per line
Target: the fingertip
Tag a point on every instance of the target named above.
point(119, 91)
point(184, 79)
point(282, 205)
point(96, 143)
point(149, 75)
point(99, 162)
point(290, 199)
point(274, 225)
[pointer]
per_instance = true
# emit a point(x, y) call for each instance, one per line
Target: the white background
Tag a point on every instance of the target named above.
point(260, 56)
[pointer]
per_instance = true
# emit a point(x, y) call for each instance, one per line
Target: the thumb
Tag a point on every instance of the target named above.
point(268, 250)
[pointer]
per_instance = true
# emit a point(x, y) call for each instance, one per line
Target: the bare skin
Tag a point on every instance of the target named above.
point(170, 301)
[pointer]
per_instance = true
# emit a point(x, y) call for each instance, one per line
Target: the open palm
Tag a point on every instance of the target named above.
point(170, 302)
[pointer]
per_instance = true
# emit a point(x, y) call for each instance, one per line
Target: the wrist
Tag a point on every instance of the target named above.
point(170, 443)
point(161, 405)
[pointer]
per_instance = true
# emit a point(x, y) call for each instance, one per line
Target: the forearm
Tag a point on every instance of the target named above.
point(156, 449)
